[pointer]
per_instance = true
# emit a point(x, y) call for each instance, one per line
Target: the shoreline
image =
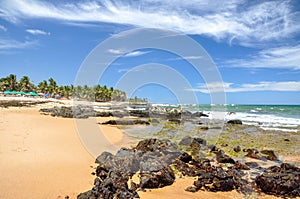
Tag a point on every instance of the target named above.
point(41, 145)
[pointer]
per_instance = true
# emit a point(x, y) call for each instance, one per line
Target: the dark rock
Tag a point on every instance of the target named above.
point(283, 181)
point(151, 145)
point(165, 150)
point(212, 148)
point(157, 179)
point(253, 153)
point(197, 143)
point(175, 121)
point(270, 155)
point(237, 149)
point(204, 128)
point(185, 157)
point(199, 114)
point(215, 179)
point(242, 185)
point(151, 164)
point(234, 122)
point(91, 194)
point(241, 166)
point(105, 156)
point(223, 158)
point(286, 140)
point(139, 113)
point(70, 112)
point(103, 114)
point(184, 168)
point(126, 122)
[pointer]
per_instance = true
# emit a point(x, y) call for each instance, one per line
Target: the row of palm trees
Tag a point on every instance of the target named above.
point(50, 87)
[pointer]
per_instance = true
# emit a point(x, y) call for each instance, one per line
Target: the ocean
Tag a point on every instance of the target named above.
point(267, 117)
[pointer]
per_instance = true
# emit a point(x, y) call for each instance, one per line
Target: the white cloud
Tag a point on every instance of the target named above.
point(281, 57)
point(130, 54)
point(261, 86)
point(37, 32)
point(186, 58)
point(136, 53)
point(13, 44)
point(3, 28)
point(115, 51)
point(239, 21)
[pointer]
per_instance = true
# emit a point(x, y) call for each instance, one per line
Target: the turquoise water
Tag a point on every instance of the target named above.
point(289, 111)
point(268, 117)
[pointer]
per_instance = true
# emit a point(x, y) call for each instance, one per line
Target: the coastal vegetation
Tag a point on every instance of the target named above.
point(50, 88)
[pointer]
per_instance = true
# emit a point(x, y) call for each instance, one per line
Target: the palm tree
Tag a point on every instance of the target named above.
point(43, 86)
point(25, 84)
point(4, 84)
point(9, 82)
point(52, 86)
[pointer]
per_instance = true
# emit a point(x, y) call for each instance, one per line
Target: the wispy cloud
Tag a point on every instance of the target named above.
point(236, 21)
point(186, 58)
point(3, 28)
point(130, 54)
point(13, 44)
point(37, 32)
point(261, 86)
point(136, 53)
point(281, 57)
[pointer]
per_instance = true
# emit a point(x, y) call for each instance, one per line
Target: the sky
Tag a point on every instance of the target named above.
point(254, 46)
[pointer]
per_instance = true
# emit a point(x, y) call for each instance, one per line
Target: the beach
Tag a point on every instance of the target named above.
point(43, 157)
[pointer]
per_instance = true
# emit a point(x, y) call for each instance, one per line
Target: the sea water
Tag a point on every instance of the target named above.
point(268, 117)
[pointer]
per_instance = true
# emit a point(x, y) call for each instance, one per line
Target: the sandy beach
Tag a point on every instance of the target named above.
point(43, 157)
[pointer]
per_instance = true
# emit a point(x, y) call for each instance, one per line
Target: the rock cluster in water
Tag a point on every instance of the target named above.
point(155, 163)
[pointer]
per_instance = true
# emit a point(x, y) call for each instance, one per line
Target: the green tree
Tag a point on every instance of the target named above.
point(10, 82)
point(43, 86)
point(52, 86)
point(25, 84)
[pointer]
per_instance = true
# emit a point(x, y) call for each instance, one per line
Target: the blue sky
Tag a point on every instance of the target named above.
point(254, 44)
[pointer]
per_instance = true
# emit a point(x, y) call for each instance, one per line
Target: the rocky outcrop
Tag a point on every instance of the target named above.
point(283, 181)
point(156, 161)
point(270, 155)
point(70, 112)
point(235, 122)
point(150, 159)
point(126, 122)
